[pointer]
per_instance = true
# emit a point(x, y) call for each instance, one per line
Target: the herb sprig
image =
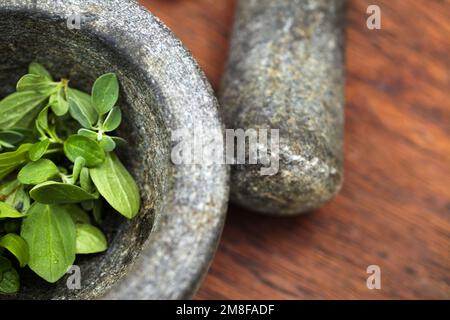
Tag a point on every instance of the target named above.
point(57, 166)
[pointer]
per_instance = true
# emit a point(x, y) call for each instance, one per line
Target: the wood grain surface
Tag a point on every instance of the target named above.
point(394, 208)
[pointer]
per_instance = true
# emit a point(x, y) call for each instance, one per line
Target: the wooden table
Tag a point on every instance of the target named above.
point(394, 208)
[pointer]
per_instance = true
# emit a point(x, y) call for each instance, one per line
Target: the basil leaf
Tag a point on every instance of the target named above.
point(58, 103)
point(107, 143)
point(38, 149)
point(7, 211)
point(37, 172)
point(5, 265)
point(11, 136)
point(51, 235)
point(77, 113)
point(38, 69)
point(85, 180)
point(19, 155)
point(17, 246)
point(81, 146)
point(28, 134)
point(88, 134)
point(7, 188)
point(77, 214)
point(105, 93)
point(51, 192)
point(42, 119)
point(10, 161)
point(119, 141)
point(97, 211)
point(77, 167)
point(7, 145)
point(112, 120)
point(117, 186)
point(20, 108)
point(9, 282)
point(90, 239)
point(80, 108)
point(19, 199)
point(12, 225)
point(36, 83)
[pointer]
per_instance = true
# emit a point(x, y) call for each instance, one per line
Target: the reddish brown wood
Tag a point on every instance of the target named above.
point(394, 209)
point(204, 26)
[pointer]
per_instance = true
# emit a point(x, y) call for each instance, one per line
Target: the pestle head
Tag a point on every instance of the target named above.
point(286, 72)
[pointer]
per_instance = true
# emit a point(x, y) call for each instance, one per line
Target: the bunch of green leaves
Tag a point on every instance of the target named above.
point(57, 167)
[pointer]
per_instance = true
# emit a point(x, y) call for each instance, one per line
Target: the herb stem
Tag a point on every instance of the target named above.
point(55, 150)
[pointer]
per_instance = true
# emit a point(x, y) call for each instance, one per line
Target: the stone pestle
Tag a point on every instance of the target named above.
point(286, 72)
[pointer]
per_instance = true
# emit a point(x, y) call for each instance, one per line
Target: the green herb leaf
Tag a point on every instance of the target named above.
point(90, 239)
point(105, 93)
point(117, 186)
point(107, 143)
point(10, 161)
point(51, 237)
point(7, 211)
point(77, 167)
point(5, 265)
point(58, 103)
point(20, 108)
point(9, 282)
point(77, 113)
point(119, 141)
point(38, 149)
point(28, 134)
point(77, 214)
point(81, 146)
point(85, 180)
point(7, 145)
point(97, 211)
point(37, 172)
point(42, 119)
point(8, 187)
point(112, 120)
point(12, 225)
point(55, 227)
point(17, 246)
point(38, 69)
point(88, 134)
point(19, 199)
point(36, 83)
point(51, 192)
point(11, 136)
point(81, 109)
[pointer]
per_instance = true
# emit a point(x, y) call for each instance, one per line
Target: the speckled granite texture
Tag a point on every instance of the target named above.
point(165, 251)
point(285, 72)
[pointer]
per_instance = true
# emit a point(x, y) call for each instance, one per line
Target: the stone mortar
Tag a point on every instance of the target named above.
point(164, 252)
point(285, 72)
